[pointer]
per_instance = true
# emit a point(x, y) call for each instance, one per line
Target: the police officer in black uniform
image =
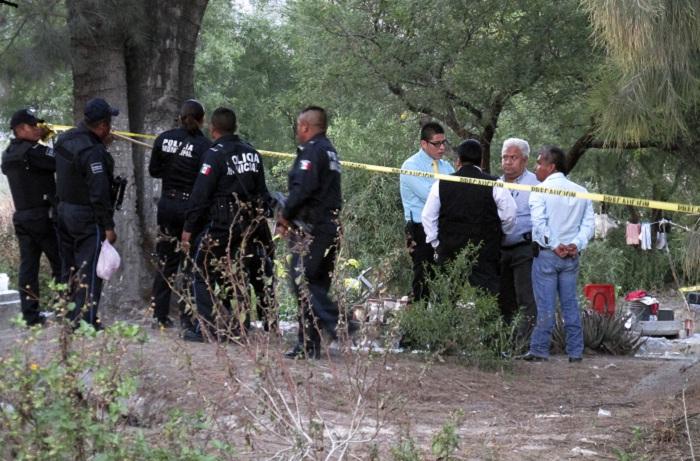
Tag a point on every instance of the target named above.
point(311, 213)
point(230, 191)
point(176, 159)
point(30, 168)
point(85, 187)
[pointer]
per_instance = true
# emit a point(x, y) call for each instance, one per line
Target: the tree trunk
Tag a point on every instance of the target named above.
point(145, 68)
point(160, 76)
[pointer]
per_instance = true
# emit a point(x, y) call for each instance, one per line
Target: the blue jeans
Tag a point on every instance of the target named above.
point(551, 275)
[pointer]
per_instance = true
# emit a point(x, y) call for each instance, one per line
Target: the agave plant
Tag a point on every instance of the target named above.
point(601, 333)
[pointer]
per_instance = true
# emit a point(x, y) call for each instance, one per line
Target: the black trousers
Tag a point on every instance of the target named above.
point(80, 239)
point(516, 289)
point(311, 268)
point(36, 233)
point(486, 271)
point(259, 264)
point(225, 266)
point(171, 220)
point(422, 258)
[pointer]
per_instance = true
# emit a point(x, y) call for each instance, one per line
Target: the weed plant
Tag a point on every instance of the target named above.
point(457, 319)
point(72, 402)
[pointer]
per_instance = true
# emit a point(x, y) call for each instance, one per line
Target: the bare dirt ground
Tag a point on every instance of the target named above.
point(267, 405)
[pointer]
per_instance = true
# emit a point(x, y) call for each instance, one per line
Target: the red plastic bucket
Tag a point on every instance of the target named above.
point(602, 297)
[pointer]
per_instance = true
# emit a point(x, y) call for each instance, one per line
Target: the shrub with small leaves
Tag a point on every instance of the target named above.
point(457, 319)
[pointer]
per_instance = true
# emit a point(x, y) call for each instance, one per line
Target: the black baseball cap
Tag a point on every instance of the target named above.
point(97, 109)
point(24, 116)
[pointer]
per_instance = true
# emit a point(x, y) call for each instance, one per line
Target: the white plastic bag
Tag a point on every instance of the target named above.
point(108, 262)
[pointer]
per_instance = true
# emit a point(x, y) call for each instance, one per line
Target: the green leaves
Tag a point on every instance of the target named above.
point(652, 48)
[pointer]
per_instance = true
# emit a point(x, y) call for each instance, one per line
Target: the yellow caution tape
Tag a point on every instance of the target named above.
point(123, 133)
point(614, 199)
point(689, 289)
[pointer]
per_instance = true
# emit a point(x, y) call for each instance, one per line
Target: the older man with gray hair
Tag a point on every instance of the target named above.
point(516, 251)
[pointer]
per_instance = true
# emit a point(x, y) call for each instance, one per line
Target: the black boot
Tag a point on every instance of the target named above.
point(192, 335)
point(299, 352)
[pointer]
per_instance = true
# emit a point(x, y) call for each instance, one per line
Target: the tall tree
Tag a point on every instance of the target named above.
point(458, 62)
point(34, 70)
point(139, 56)
point(648, 94)
point(652, 48)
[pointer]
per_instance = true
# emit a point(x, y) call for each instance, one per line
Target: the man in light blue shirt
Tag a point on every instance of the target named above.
point(414, 193)
point(561, 227)
point(516, 247)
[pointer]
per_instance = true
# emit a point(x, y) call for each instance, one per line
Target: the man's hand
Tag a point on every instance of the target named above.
point(111, 236)
point(561, 250)
point(185, 241)
point(572, 250)
point(282, 227)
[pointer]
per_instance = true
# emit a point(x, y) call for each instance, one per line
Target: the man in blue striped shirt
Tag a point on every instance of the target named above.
point(414, 193)
point(561, 227)
point(516, 247)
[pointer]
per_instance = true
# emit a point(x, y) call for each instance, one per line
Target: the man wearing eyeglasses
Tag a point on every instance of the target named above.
point(414, 193)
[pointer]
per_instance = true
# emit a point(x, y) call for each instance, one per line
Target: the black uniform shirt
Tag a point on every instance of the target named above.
point(314, 183)
point(176, 158)
point(84, 173)
point(30, 171)
point(231, 170)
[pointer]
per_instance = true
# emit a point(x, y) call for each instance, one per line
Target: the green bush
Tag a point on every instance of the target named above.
point(71, 403)
point(458, 318)
point(613, 261)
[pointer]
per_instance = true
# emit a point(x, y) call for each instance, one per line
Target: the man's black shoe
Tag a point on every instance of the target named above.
point(36, 321)
point(192, 336)
point(162, 323)
point(302, 353)
point(530, 357)
point(575, 359)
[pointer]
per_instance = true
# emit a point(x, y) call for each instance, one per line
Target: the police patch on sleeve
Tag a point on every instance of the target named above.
point(206, 169)
point(96, 168)
point(305, 165)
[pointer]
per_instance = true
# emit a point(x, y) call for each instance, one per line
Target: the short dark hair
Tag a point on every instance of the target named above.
point(469, 151)
point(191, 115)
point(429, 130)
point(554, 154)
point(224, 120)
point(319, 117)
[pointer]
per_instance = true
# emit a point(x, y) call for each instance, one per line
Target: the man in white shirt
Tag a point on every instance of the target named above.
point(561, 228)
point(457, 214)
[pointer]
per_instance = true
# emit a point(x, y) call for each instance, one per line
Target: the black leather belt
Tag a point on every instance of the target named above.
point(515, 245)
point(176, 194)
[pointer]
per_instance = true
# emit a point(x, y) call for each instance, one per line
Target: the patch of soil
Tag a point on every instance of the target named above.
point(551, 410)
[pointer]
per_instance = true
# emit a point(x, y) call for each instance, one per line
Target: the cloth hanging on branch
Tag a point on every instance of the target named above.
point(661, 241)
point(632, 233)
point(603, 225)
point(645, 236)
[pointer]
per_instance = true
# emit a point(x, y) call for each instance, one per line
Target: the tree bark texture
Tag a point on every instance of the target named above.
point(139, 56)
